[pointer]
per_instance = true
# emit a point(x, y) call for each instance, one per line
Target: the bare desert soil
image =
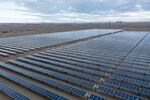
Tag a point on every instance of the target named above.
point(7, 30)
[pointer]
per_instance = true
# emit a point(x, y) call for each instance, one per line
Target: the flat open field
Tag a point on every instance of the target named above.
point(7, 30)
point(93, 64)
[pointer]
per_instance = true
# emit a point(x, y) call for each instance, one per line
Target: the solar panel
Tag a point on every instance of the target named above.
point(12, 93)
point(32, 42)
point(28, 85)
point(51, 82)
point(115, 66)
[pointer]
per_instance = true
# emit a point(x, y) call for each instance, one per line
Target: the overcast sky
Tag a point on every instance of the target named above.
point(60, 11)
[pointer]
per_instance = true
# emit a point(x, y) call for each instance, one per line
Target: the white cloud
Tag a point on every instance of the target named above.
point(74, 10)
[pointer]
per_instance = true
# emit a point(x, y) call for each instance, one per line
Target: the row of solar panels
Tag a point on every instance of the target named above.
point(102, 71)
point(12, 93)
point(20, 44)
point(87, 67)
point(134, 71)
point(91, 65)
point(97, 62)
point(40, 90)
point(48, 81)
point(31, 67)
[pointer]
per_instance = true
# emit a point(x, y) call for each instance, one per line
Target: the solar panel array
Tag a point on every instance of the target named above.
point(21, 44)
point(115, 66)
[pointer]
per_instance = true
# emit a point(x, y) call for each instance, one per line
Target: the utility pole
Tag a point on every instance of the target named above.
point(109, 24)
